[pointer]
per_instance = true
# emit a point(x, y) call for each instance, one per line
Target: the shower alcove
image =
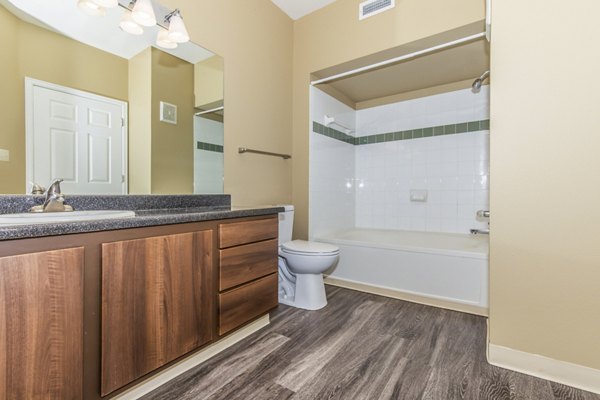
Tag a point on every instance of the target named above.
point(399, 167)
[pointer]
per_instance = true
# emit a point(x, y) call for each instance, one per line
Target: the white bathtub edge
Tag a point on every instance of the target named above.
point(406, 296)
point(410, 249)
point(569, 374)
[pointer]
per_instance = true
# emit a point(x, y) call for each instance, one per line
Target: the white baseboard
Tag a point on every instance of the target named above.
point(401, 295)
point(550, 369)
point(191, 361)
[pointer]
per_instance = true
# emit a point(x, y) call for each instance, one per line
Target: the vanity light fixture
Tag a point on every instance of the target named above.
point(129, 25)
point(143, 13)
point(162, 40)
point(106, 3)
point(177, 31)
point(91, 8)
point(140, 13)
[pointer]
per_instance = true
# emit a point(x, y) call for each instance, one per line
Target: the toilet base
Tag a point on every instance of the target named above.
point(309, 293)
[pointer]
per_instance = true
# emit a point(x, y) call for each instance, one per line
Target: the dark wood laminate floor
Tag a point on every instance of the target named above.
point(362, 346)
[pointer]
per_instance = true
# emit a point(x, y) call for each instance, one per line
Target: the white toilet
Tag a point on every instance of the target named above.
point(301, 266)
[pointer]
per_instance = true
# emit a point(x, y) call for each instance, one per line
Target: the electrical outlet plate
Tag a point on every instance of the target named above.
point(4, 155)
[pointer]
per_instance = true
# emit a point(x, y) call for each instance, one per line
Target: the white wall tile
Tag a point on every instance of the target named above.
point(369, 185)
point(208, 165)
point(332, 170)
point(453, 168)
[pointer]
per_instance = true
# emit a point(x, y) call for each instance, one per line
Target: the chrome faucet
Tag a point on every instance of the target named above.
point(55, 200)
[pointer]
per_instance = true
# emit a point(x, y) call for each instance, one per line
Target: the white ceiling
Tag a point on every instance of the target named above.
point(103, 33)
point(299, 8)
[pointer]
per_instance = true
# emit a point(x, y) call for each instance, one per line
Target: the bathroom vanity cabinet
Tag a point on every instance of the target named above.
point(247, 271)
point(157, 303)
point(86, 316)
point(41, 322)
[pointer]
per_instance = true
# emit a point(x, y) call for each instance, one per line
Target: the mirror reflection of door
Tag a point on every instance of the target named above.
point(76, 136)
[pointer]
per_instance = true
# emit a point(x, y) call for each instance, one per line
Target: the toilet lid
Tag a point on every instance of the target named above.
point(304, 247)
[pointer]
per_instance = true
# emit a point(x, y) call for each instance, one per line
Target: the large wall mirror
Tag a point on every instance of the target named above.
point(107, 111)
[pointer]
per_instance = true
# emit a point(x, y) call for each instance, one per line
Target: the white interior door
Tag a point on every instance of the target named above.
point(77, 136)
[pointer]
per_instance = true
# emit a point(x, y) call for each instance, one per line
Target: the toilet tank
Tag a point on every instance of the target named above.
point(286, 224)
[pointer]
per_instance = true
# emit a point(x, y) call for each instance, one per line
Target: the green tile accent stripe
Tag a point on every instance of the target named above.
point(333, 133)
point(463, 127)
point(209, 147)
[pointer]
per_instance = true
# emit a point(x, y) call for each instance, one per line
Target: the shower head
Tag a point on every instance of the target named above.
point(479, 81)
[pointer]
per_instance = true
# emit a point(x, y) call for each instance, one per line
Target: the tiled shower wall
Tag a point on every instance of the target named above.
point(331, 169)
point(208, 156)
point(435, 146)
point(453, 168)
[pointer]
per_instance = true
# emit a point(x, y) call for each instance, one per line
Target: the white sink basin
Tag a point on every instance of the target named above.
point(53, 217)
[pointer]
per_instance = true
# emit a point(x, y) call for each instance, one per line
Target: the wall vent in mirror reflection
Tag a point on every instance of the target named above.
point(168, 113)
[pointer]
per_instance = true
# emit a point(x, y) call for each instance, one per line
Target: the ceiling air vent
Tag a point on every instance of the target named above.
point(371, 7)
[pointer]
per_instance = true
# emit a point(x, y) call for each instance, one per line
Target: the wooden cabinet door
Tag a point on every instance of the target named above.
point(242, 304)
point(242, 264)
point(238, 233)
point(41, 325)
point(157, 303)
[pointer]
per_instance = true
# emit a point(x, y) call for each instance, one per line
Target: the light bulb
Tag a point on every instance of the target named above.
point(162, 40)
point(129, 25)
point(90, 8)
point(177, 31)
point(143, 13)
point(106, 3)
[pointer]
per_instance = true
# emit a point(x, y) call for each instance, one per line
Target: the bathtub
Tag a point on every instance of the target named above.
point(446, 270)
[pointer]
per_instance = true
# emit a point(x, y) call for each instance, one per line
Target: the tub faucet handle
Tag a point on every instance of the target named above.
point(483, 214)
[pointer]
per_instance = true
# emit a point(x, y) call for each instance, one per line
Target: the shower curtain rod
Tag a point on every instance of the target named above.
point(400, 58)
point(212, 110)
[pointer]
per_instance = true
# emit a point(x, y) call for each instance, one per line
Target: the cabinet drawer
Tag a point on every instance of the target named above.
point(239, 233)
point(245, 263)
point(244, 303)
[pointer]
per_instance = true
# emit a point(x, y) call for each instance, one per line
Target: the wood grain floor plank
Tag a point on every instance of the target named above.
point(562, 392)
point(361, 369)
point(308, 365)
point(362, 347)
point(527, 387)
point(202, 382)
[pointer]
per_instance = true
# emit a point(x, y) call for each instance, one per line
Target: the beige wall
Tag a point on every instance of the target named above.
point(208, 83)
point(545, 191)
point(172, 145)
point(41, 54)
point(161, 155)
point(12, 137)
point(140, 123)
point(333, 35)
point(255, 39)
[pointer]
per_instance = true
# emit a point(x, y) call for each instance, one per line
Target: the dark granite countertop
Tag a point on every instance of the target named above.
point(149, 211)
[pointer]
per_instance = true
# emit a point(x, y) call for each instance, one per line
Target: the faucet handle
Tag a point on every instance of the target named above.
point(37, 189)
point(483, 214)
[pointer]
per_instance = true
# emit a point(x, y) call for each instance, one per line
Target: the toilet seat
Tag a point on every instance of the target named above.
point(303, 247)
